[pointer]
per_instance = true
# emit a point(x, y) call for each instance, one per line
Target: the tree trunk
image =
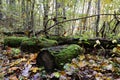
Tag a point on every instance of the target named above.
point(1, 15)
point(98, 18)
point(45, 17)
point(34, 45)
point(23, 13)
point(88, 10)
point(104, 43)
point(56, 10)
point(29, 44)
point(32, 18)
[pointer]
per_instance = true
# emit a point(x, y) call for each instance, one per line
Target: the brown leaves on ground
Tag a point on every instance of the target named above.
point(84, 67)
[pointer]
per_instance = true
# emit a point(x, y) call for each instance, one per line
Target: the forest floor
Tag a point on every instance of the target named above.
point(91, 66)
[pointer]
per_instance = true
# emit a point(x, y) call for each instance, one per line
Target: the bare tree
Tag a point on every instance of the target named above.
point(98, 18)
point(88, 10)
point(56, 20)
point(23, 13)
point(32, 17)
point(0, 10)
point(45, 15)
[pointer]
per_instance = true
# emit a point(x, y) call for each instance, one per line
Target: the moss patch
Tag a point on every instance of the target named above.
point(47, 42)
point(67, 54)
point(14, 41)
point(35, 44)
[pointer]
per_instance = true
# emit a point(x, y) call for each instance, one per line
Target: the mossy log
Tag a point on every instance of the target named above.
point(87, 43)
point(65, 40)
point(35, 44)
point(14, 41)
point(56, 57)
point(104, 43)
point(29, 44)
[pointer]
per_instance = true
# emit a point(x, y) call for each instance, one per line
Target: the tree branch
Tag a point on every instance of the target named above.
point(72, 20)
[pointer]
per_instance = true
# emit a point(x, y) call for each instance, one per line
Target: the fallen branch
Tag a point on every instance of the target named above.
point(41, 31)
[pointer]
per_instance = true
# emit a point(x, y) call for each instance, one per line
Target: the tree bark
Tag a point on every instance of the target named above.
point(98, 18)
point(32, 18)
point(1, 15)
point(88, 10)
point(56, 11)
point(45, 17)
point(104, 43)
point(23, 13)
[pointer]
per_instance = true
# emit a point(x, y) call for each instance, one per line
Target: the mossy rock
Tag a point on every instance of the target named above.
point(14, 41)
point(35, 44)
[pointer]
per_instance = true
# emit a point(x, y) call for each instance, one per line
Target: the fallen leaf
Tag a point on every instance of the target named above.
point(25, 72)
point(81, 57)
point(117, 60)
point(13, 68)
point(82, 63)
point(13, 78)
point(96, 68)
point(33, 56)
point(108, 67)
point(34, 69)
point(56, 74)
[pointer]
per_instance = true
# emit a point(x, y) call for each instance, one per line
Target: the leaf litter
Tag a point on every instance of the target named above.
point(21, 66)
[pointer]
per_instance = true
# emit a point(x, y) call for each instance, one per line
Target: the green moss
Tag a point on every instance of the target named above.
point(65, 55)
point(59, 38)
point(47, 42)
point(35, 44)
point(14, 41)
point(30, 45)
point(30, 41)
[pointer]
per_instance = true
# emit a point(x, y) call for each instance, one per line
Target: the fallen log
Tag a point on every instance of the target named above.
point(87, 43)
point(64, 40)
point(56, 57)
point(105, 43)
point(35, 44)
point(14, 41)
point(29, 44)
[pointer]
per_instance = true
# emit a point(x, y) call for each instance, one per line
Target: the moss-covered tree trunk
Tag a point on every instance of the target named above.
point(14, 41)
point(29, 44)
point(98, 43)
point(34, 45)
point(56, 57)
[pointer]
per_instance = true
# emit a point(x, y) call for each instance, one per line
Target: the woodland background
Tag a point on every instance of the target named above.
point(93, 18)
point(59, 39)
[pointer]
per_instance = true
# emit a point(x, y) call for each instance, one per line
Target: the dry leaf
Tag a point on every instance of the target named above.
point(13, 68)
point(13, 78)
point(117, 60)
point(81, 57)
point(82, 63)
point(96, 68)
point(33, 56)
point(34, 69)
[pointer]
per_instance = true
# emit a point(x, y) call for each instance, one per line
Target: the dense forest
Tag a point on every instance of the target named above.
point(59, 40)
